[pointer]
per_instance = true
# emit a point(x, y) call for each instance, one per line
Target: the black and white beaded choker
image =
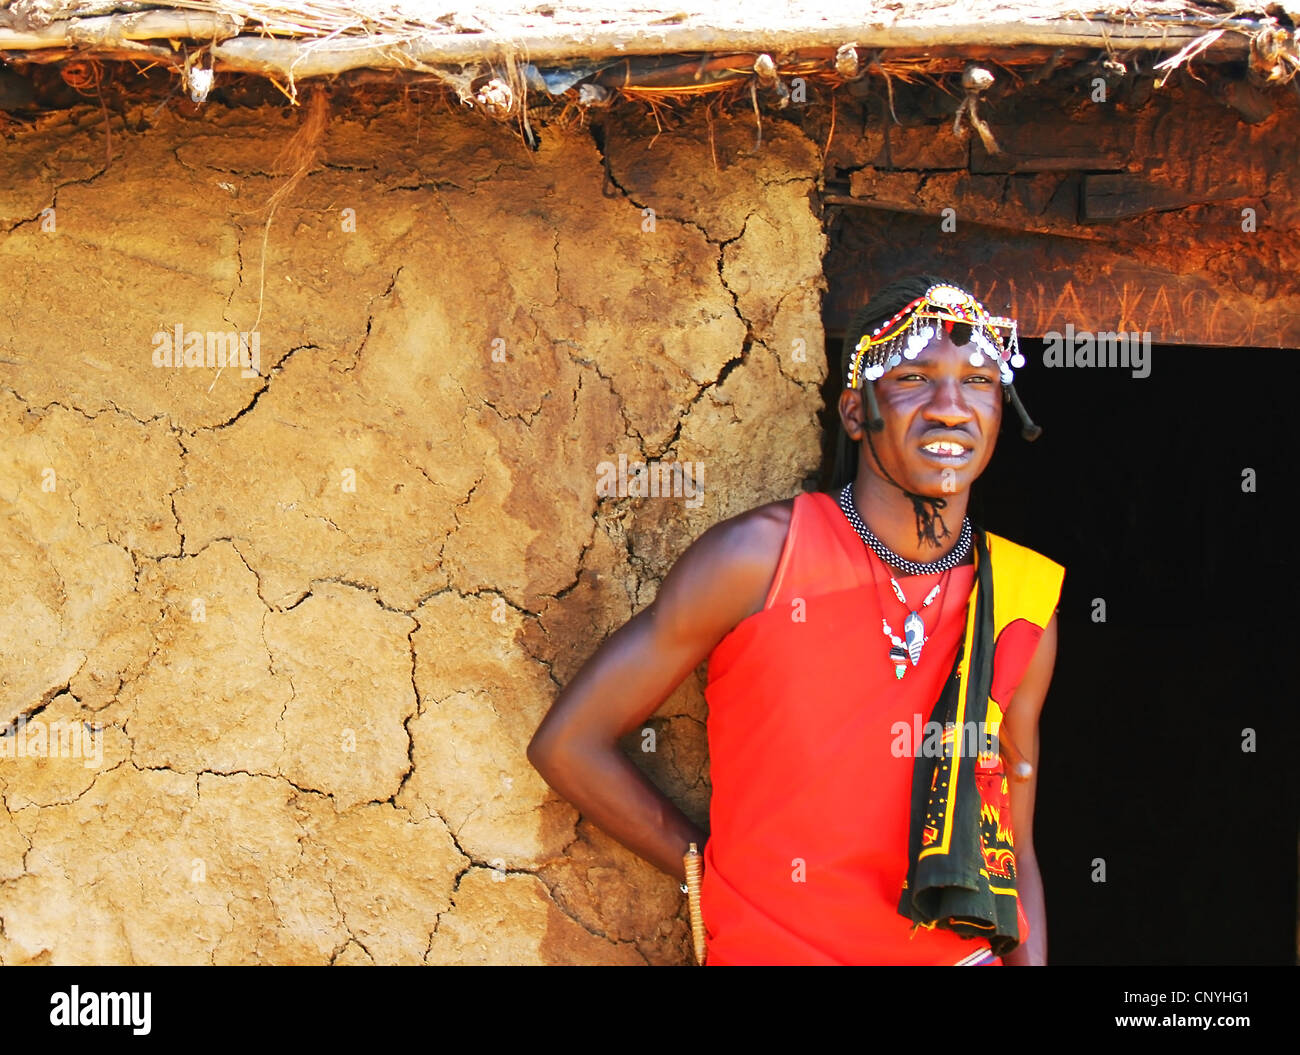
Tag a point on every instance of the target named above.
point(945, 563)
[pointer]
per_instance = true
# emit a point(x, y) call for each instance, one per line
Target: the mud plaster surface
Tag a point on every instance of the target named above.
point(315, 699)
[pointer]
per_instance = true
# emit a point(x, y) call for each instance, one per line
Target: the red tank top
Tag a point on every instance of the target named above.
point(811, 769)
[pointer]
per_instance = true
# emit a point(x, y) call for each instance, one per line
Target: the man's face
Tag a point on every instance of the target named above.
point(941, 417)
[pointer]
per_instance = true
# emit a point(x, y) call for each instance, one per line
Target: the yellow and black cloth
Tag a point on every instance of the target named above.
point(961, 852)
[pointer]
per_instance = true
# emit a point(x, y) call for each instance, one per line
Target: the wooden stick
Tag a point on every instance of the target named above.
point(319, 57)
point(125, 51)
point(694, 862)
point(113, 29)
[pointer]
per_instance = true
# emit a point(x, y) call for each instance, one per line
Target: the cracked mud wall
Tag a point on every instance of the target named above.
point(313, 699)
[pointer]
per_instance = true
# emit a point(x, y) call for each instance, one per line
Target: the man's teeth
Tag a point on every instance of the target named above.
point(943, 447)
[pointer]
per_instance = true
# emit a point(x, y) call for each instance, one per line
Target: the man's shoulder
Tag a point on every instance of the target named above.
point(1004, 550)
point(1026, 584)
point(732, 564)
point(766, 518)
point(755, 534)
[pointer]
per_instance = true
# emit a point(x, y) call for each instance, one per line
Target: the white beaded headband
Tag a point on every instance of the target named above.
point(906, 334)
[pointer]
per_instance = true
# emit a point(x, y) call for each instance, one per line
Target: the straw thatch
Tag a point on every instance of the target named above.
point(494, 54)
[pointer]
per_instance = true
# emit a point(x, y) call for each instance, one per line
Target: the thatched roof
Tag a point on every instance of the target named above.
point(557, 45)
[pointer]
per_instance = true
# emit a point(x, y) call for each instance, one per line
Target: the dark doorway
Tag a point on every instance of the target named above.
point(1148, 763)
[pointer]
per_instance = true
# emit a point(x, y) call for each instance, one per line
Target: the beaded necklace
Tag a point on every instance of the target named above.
point(888, 556)
point(914, 637)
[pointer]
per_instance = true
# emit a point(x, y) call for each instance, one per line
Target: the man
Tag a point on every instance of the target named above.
point(854, 639)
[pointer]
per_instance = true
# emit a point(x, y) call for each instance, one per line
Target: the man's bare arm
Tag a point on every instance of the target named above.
point(1021, 723)
point(718, 582)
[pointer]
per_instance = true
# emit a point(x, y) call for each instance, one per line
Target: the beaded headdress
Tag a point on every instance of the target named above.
point(905, 335)
point(943, 308)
